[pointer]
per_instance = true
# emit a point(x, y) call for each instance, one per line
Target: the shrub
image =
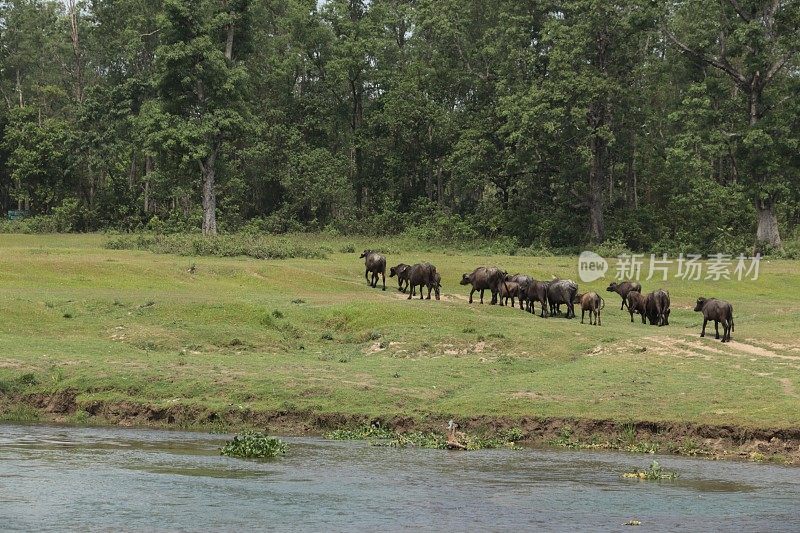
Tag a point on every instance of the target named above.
point(259, 247)
point(254, 444)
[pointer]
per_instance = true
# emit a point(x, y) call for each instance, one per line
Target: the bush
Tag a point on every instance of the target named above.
point(254, 444)
point(260, 247)
point(613, 247)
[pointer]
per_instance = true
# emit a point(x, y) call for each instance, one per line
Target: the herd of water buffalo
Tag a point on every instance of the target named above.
point(551, 295)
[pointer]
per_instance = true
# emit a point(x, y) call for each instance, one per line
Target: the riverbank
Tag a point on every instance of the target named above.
point(302, 345)
point(775, 445)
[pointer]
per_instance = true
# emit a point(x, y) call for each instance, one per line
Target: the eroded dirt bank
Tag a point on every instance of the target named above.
point(779, 445)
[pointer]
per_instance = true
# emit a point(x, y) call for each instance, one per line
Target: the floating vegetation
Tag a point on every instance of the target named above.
point(654, 473)
point(378, 435)
point(254, 444)
point(624, 442)
point(633, 523)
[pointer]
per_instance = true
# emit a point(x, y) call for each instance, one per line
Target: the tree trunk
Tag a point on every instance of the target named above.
point(208, 170)
point(229, 43)
point(148, 168)
point(19, 90)
point(76, 49)
point(439, 184)
point(767, 232)
point(132, 171)
point(596, 183)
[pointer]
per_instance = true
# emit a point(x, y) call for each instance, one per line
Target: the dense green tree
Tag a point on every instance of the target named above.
point(754, 44)
point(553, 123)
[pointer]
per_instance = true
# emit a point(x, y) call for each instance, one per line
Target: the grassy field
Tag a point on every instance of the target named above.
point(308, 335)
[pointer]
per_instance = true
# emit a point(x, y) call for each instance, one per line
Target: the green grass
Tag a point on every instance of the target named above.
point(307, 335)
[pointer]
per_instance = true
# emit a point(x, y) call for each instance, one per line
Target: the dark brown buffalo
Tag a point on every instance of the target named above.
point(636, 303)
point(423, 275)
point(375, 264)
point(483, 278)
point(718, 311)
point(524, 283)
point(535, 291)
point(562, 291)
point(592, 302)
point(401, 271)
point(509, 289)
point(623, 289)
point(657, 308)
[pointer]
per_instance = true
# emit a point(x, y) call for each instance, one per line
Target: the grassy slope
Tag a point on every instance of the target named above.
point(143, 329)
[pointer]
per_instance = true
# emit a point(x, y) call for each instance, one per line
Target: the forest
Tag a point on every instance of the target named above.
point(551, 124)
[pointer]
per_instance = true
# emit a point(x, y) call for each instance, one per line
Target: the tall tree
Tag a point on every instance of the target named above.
point(202, 85)
point(754, 43)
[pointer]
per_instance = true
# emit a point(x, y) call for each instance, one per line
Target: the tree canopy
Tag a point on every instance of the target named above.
point(658, 125)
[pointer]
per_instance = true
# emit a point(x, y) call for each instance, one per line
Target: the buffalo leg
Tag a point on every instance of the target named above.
point(430, 287)
point(470, 294)
point(716, 329)
point(703, 332)
point(366, 276)
point(597, 319)
point(482, 295)
point(583, 313)
point(621, 307)
point(410, 292)
point(383, 277)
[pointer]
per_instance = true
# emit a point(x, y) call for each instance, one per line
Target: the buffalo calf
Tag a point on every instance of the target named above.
point(401, 271)
point(636, 303)
point(623, 289)
point(592, 302)
point(509, 289)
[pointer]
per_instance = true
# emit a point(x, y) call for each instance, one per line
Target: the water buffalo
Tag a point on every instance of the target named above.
point(537, 292)
point(562, 291)
point(623, 289)
point(657, 307)
point(636, 303)
point(509, 289)
point(401, 271)
point(483, 278)
point(592, 302)
point(524, 283)
point(718, 311)
point(375, 263)
point(423, 275)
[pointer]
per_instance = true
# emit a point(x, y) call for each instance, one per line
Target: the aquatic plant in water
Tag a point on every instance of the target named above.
point(653, 473)
point(254, 444)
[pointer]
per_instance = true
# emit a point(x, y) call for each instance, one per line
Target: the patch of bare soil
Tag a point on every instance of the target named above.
point(759, 351)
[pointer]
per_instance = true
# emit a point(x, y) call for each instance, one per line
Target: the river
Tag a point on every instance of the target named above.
point(61, 478)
